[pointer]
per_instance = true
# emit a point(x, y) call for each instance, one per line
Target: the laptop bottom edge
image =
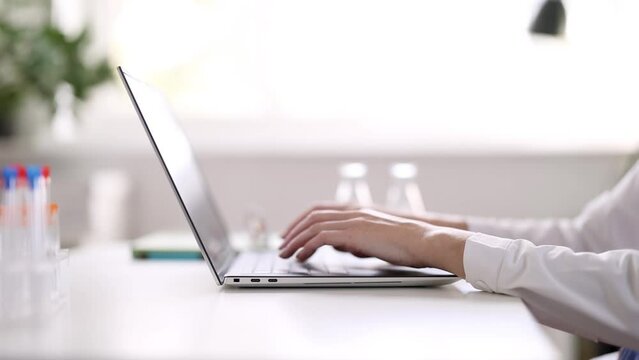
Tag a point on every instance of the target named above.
point(335, 281)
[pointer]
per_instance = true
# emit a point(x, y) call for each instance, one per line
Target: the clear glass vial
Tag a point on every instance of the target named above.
point(353, 187)
point(403, 193)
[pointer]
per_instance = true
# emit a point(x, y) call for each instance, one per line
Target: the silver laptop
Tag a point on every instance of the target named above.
point(327, 267)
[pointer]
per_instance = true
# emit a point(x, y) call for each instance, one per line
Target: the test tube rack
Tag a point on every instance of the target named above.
point(33, 268)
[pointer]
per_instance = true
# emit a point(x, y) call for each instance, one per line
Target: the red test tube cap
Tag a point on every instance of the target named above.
point(21, 169)
point(46, 171)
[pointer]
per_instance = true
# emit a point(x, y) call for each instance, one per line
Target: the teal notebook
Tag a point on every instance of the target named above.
point(166, 246)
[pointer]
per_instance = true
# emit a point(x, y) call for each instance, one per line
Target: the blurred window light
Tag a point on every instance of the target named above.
point(450, 71)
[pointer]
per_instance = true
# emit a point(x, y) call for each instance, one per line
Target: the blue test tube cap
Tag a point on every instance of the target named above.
point(33, 173)
point(9, 175)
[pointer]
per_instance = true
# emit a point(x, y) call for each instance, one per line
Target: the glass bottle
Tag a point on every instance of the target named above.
point(256, 228)
point(352, 187)
point(403, 193)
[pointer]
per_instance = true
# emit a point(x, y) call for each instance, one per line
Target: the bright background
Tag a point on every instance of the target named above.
point(380, 74)
point(276, 93)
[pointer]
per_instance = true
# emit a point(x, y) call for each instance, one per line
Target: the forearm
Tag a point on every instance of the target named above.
point(592, 295)
point(437, 219)
point(608, 222)
point(541, 232)
point(560, 232)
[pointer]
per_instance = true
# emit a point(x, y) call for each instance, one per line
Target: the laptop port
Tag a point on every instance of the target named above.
point(236, 280)
point(255, 280)
point(272, 280)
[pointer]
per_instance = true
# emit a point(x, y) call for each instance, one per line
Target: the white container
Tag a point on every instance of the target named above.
point(353, 187)
point(33, 289)
point(403, 193)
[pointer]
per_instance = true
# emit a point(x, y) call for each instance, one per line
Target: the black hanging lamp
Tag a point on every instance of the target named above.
point(551, 19)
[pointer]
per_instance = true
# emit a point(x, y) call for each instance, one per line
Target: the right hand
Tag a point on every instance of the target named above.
point(369, 232)
point(452, 221)
point(318, 207)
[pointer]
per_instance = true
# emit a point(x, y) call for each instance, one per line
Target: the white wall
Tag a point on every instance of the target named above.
point(281, 185)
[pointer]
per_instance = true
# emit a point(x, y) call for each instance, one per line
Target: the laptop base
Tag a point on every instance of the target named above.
point(261, 281)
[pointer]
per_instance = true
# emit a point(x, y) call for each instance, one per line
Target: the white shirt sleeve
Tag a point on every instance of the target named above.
point(610, 221)
point(593, 295)
point(572, 274)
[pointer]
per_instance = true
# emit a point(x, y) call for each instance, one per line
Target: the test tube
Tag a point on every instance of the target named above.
point(53, 229)
point(55, 256)
point(14, 280)
point(21, 185)
point(20, 228)
point(37, 209)
point(2, 226)
point(9, 175)
point(46, 174)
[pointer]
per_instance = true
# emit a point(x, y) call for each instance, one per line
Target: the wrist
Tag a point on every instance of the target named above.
point(446, 249)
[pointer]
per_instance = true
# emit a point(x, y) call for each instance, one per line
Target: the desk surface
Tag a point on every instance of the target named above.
point(125, 309)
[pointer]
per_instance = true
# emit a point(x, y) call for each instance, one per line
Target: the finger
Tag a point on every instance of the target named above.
point(321, 216)
point(311, 232)
point(323, 206)
point(335, 238)
point(360, 254)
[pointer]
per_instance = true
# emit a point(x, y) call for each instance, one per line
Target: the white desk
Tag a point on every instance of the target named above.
point(126, 309)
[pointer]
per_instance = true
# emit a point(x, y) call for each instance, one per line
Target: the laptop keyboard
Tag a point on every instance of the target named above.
point(270, 263)
point(326, 261)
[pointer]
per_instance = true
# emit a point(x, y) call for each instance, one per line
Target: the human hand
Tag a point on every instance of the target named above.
point(369, 232)
point(317, 207)
point(452, 221)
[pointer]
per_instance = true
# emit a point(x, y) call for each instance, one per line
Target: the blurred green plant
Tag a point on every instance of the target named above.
point(37, 61)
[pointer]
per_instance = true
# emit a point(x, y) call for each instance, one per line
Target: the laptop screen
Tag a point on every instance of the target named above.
point(184, 174)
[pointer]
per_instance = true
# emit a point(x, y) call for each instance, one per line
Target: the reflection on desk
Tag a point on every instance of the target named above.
point(126, 309)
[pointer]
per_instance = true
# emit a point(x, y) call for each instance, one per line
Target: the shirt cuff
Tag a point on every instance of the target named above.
point(483, 258)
